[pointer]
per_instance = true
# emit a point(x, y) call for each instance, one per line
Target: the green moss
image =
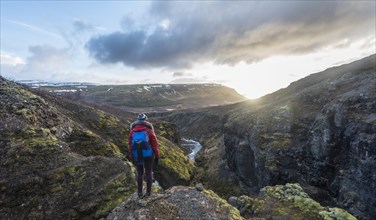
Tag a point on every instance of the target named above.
point(115, 191)
point(270, 161)
point(336, 214)
point(252, 205)
point(174, 160)
point(57, 188)
point(288, 202)
point(114, 148)
point(25, 94)
point(106, 121)
point(32, 137)
point(223, 206)
point(23, 112)
point(294, 194)
point(156, 189)
point(70, 171)
point(87, 143)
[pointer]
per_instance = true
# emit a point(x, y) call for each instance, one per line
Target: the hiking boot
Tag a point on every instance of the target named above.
point(140, 195)
point(148, 194)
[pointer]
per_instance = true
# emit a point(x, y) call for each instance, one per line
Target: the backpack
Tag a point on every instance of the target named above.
point(141, 147)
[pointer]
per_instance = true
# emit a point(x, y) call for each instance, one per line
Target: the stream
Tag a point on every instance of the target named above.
point(194, 146)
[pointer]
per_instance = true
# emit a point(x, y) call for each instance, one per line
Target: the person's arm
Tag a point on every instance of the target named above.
point(154, 143)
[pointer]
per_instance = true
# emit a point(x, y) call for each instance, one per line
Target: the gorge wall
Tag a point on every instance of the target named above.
point(320, 131)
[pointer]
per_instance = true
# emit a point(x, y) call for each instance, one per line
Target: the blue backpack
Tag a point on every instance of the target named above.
point(141, 147)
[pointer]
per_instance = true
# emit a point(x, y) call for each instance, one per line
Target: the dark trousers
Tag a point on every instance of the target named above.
point(147, 167)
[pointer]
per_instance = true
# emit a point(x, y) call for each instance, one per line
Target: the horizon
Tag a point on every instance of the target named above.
point(203, 83)
point(253, 47)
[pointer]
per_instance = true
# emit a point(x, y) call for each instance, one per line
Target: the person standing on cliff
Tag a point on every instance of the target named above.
point(143, 149)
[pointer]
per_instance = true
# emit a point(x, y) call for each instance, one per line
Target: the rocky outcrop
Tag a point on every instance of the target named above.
point(274, 202)
point(285, 202)
point(319, 131)
point(177, 202)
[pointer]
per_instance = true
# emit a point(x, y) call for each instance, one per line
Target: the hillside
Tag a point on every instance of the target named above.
point(319, 132)
point(150, 98)
point(64, 160)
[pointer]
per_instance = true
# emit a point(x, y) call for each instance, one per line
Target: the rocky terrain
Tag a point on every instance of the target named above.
point(278, 202)
point(177, 202)
point(320, 132)
point(63, 160)
point(149, 97)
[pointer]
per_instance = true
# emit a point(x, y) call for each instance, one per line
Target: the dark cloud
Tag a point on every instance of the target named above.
point(228, 32)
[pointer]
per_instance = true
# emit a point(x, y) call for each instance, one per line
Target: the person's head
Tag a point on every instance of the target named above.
point(142, 117)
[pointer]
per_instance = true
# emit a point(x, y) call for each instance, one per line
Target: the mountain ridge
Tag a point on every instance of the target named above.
point(150, 97)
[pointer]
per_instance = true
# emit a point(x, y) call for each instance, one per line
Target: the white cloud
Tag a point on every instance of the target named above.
point(47, 57)
point(9, 59)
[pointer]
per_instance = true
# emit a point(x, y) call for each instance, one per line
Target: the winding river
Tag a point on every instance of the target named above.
point(193, 145)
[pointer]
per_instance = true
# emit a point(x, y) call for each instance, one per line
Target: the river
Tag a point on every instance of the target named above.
point(193, 145)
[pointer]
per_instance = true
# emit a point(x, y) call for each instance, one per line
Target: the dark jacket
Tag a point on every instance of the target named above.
point(144, 126)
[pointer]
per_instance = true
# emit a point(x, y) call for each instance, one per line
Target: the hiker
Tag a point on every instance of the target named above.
point(143, 149)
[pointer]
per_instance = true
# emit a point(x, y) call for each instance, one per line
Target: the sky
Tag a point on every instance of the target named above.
point(255, 47)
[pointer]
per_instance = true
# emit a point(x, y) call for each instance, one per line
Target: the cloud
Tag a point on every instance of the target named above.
point(9, 59)
point(185, 33)
point(11, 65)
point(44, 63)
point(181, 74)
point(47, 57)
point(186, 81)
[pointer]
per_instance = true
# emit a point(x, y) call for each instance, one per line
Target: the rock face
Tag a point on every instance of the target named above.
point(63, 160)
point(177, 202)
point(320, 131)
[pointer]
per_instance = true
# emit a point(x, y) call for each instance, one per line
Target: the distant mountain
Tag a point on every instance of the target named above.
point(149, 97)
point(320, 132)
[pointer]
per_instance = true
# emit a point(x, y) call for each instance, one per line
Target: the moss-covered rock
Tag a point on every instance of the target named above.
point(87, 143)
point(174, 168)
point(223, 206)
point(287, 201)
